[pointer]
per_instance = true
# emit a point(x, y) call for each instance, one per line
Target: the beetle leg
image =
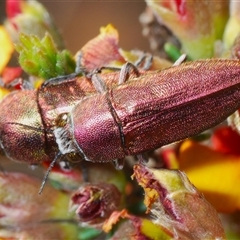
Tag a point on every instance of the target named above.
point(145, 60)
point(180, 60)
point(24, 84)
point(119, 163)
point(98, 83)
point(125, 72)
point(61, 79)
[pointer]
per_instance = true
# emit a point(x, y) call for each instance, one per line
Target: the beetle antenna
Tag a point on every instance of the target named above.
point(59, 155)
point(84, 171)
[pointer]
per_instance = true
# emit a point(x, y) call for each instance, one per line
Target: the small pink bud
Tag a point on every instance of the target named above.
point(94, 203)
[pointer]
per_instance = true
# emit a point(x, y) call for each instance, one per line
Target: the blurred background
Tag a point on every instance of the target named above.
point(79, 21)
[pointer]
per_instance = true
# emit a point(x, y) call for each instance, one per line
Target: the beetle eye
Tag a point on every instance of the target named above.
point(74, 157)
point(62, 120)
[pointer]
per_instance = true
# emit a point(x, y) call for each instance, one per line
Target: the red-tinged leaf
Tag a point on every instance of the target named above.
point(226, 140)
point(11, 73)
point(178, 6)
point(39, 231)
point(13, 8)
point(104, 51)
point(24, 214)
point(181, 7)
point(101, 50)
point(19, 198)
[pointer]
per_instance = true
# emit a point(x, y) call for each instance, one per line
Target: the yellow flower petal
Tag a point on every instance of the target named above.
point(3, 92)
point(144, 227)
point(232, 27)
point(215, 174)
point(154, 231)
point(6, 48)
point(109, 29)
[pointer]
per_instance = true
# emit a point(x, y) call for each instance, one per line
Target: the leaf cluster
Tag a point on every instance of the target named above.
point(41, 58)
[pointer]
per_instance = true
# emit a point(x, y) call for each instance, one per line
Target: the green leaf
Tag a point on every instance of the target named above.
point(41, 58)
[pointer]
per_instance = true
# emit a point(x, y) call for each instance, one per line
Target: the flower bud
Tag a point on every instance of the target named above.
point(177, 205)
point(30, 17)
point(93, 203)
point(187, 21)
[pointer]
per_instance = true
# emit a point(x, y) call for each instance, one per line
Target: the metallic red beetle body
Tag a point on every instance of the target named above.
point(142, 114)
point(28, 117)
